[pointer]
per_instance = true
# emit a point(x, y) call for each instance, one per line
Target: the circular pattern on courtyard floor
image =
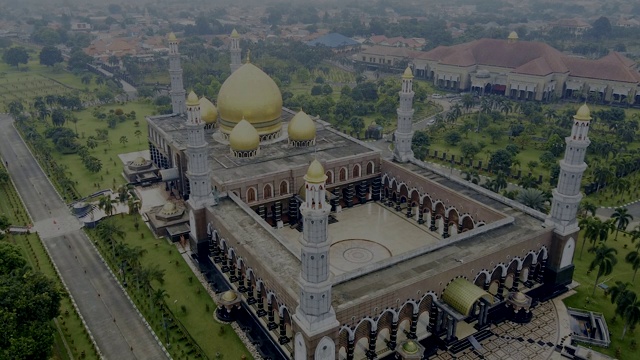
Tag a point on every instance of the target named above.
point(350, 254)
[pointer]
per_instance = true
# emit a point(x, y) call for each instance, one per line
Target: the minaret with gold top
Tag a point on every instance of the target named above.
point(236, 52)
point(557, 269)
point(175, 73)
point(314, 314)
point(567, 195)
point(199, 175)
point(404, 133)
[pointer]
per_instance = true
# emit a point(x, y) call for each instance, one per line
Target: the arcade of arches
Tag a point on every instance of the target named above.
point(432, 314)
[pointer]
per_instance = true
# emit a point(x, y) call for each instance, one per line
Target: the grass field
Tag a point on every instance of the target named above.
point(600, 303)
point(110, 175)
point(183, 289)
point(71, 333)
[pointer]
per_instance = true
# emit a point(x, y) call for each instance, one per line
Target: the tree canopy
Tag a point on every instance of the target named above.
point(50, 55)
point(15, 56)
point(29, 302)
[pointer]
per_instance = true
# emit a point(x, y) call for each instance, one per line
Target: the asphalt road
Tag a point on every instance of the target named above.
point(118, 329)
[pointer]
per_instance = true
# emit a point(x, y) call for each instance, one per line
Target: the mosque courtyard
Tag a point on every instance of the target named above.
point(366, 234)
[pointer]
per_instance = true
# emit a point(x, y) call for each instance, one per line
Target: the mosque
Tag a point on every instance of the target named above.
point(340, 252)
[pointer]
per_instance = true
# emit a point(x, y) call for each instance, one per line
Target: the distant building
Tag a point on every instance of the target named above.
point(574, 26)
point(337, 42)
point(398, 41)
point(526, 70)
point(80, 27)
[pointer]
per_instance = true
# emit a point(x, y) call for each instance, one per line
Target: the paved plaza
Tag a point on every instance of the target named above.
point(366, 234)
point(510, 341)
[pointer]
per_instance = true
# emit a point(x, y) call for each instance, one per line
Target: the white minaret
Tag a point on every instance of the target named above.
point(235, 51)
point(314, 314)
point(404, 133)
point(567, 195)
point(175, 73)
point(198, 170)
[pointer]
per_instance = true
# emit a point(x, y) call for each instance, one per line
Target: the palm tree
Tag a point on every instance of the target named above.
point(633, 258)
point(621, 219)
point(138, 134)
point(158, 297)
point(617, 291)
point(456, 109)
point(604, 260)
point(533, 198)
point(501, 181)
point(631, 314)
point(528, 182)
point(587, 208)
point(602, 174)
point(106, 204)
point(506, 107)
point(108, 231)
point(99, 80)
point(123, 140)
point(468, 101)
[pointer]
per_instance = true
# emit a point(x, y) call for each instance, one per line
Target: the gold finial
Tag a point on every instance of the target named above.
point(248, 56)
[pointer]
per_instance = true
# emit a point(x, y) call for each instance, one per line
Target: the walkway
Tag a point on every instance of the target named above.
point(116, 325)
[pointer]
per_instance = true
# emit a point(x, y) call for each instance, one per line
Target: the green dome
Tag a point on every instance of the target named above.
point(410, 347)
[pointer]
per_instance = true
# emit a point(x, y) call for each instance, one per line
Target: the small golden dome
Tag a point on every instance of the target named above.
point(513, 36)
point(208, 111)
point(172, 37)
point(229, 296)
point(244, 137)
point(408, 73)
point(192, 99)
point(301, 127)
point(410, 347)
point(234, 34)
point(252, 95)
point(315, 173)
point(583, 114)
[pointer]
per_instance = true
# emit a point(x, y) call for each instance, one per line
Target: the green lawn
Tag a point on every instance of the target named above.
point(110, 175)
point(69, 326)
point(600, 303)
point(183, 288)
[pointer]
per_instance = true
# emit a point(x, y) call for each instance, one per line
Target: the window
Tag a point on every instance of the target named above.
point(370, 168)
point(251, 195)
point(356, 170)
point(343, 174)
point(267, 191)
point(329, 177)
point(284, 188)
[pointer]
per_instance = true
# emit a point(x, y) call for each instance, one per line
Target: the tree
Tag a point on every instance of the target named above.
point(357, 124)
point(50, 55)
point(633, 258)
point(469, 150)
point(555, 145)
point(106, 204)
point(15, 56)
point(15, 108)
point(594, 230)
point(30, 301)
point(108, 231)
point(420, 144)
point(4, 178)
point(500, 160)
point(605, 259)
point(58, 117)
point(158, 297)
point(533, 198)
point(601, 28)
point(621, 219)
point(452, 137)
point(138, 134)
point(495, 133)
point(587, 207)
point(631, 312)
point(124, 140)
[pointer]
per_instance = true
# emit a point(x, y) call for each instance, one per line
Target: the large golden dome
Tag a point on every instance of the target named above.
point(583, 114)
point(315, 173)
point(244, 137)
point(251, 94)
point(301, 127)
point(208, 111)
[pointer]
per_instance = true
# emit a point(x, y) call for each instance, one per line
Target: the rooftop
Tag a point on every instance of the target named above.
point(275, 157)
